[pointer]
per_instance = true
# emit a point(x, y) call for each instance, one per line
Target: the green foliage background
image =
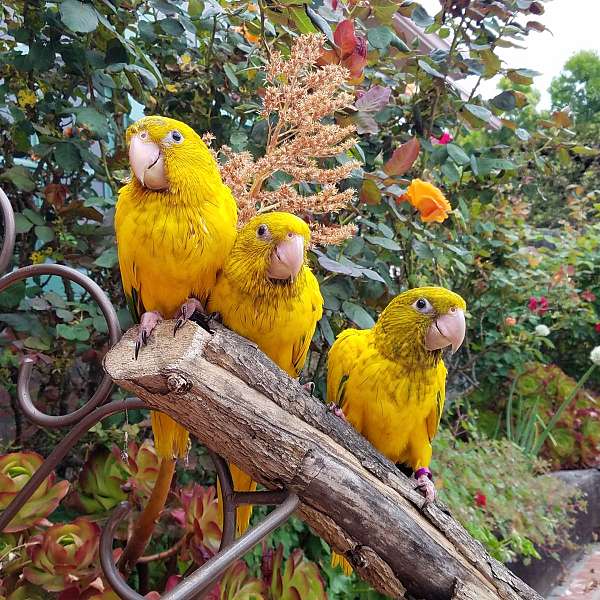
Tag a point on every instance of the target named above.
point(523, 185)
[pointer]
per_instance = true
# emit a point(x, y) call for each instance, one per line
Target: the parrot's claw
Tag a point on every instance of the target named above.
point(205, 320)
point(309, 386)
point(426, 487)
point(148, 322)
point(336, 410)
point(187, 309)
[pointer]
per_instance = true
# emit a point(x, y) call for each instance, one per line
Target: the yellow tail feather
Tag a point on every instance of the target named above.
point(337, 560)
point(242, 482)
point(170, 438)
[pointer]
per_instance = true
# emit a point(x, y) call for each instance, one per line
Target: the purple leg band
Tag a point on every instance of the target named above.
point(423, 471)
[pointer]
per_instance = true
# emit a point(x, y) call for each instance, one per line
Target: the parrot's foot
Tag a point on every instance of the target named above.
point(148, 322)
point(309, 386)
point(426, 487)
point(185, 312)
point(336, 410)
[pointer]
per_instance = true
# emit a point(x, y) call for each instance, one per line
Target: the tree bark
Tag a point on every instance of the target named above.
point(238, 403)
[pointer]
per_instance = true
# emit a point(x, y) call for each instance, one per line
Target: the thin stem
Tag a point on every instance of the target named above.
point(109, 178)
point(165, 553)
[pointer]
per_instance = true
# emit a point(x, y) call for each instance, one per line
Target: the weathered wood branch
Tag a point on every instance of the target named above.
point(239, 404)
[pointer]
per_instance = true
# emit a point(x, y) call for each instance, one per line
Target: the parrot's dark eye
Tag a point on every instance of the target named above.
point(176, 136)
point(423, 306)
point(262, 231)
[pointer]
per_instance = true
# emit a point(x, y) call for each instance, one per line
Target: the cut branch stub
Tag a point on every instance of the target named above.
point(238, 403)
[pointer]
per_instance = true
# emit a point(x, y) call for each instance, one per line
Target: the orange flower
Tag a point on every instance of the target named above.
point(428, 200)
point(510, 321)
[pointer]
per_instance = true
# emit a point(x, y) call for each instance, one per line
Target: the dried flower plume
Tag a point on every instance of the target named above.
point(298, 96)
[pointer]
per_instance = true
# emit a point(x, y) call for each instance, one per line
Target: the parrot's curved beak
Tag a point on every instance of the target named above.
point(447, 330)
point(147, 163)
point(287, 258)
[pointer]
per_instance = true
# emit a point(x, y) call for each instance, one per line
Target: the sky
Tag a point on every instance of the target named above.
point(573, 25)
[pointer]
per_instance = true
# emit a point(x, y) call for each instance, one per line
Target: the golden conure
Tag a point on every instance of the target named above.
point(389, 381)
point(175, 223)
point(267, 293)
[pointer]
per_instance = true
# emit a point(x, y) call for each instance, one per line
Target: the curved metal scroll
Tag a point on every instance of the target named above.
point(94, 411)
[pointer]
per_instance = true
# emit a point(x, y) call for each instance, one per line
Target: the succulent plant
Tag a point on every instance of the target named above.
point(237, 584)
point(64, 556)
point(16, 470)
point(100, 482)
point(200, 518)
point(27, 592)
point(143, 464)
point(575, 441)
point(297, 579)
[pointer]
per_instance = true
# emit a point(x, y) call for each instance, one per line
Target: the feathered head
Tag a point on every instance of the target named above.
point(419, 323)
point(167, 154)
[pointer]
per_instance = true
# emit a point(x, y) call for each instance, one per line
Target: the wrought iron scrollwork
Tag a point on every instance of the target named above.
point(95, 410)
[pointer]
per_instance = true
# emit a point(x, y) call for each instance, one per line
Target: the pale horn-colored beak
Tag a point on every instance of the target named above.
point(447, 330)
point(287, 258)
point(147, 163)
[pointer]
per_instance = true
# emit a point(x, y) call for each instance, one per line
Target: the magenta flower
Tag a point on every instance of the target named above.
point(444, 139)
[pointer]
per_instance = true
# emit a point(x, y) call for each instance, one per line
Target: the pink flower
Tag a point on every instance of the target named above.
point(540, 305)
point(588, 296)
point(444, 139)
point(597, 327)
point(480, 499)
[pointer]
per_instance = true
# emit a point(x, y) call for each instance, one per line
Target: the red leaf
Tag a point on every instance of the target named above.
point(403, 158)
point(345, 38)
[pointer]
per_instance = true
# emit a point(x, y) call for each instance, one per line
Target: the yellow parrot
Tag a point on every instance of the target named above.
point(268, 294)
point(175, 224)
point(390, 381)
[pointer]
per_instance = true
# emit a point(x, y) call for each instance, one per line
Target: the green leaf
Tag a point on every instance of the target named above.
point(231, 74)
point(486, 165)
point(41, 56)
point(33, 216)
point(422, 250)
point(107, 259)
point(380, 37)
point(420, 17)
point(429, 69)
point(92, 120)
point(44, 234)
point(457, 154)
point(358, 315)
point(450, 170)
point(171, 27)
point(369, 192)
point(505, 100)
point(326, 330)
point(147, 76)
point(12, 295)
point(383, 242)
point(67, 156)
point(65, 315)
point(479, 111)
point(20, 177)
point(116, 52)
point(78, 17)
point(72, 332)
point(302, 20)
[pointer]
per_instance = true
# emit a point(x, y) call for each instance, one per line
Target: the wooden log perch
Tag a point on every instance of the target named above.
point(239, 404)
